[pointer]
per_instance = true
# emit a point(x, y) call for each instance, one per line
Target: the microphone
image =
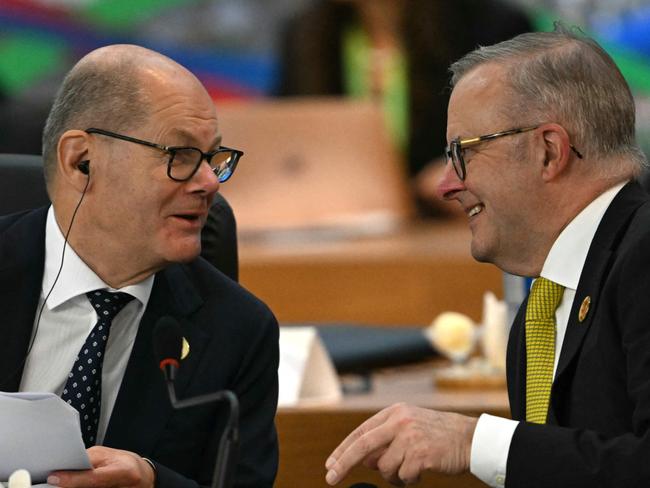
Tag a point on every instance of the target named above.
point(167, 345)
point(168, 340)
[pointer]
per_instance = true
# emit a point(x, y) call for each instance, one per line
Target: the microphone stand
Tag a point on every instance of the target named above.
point(222, 476)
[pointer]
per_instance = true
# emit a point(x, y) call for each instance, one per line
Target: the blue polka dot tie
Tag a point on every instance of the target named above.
point(83, 390)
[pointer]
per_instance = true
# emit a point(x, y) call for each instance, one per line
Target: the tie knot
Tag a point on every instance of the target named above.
point(545, 296)
point(108, 304)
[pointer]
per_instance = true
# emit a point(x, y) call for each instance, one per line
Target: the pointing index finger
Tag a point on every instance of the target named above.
point(375, 433)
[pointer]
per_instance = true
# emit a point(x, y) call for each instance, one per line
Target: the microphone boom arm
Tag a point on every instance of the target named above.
point(230, 436)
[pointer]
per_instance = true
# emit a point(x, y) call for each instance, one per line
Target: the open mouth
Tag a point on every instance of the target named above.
point(191, 218)
point(475, 210)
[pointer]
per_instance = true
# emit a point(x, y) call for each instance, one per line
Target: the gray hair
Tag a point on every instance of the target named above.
point(569, 77)
point(95, 93)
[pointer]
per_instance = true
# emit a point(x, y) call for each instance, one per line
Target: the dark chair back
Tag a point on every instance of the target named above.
point(22, 187)
point(644, 179)
point(219, 238)
point(21, 183)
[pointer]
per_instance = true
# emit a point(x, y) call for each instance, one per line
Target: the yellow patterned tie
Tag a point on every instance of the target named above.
point(540, 347)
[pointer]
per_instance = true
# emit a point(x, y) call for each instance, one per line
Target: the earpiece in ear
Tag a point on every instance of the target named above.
point(84, 167)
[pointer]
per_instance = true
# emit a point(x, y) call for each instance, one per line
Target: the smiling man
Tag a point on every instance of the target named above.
point(133, 159)
point(542, 159)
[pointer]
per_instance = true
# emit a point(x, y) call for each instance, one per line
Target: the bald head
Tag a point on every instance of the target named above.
point(107, 88)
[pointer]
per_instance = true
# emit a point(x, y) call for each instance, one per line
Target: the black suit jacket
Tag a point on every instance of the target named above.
point(233, 345)
point(599, 414)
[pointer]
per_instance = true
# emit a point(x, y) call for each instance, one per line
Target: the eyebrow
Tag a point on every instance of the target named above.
point(189, 138)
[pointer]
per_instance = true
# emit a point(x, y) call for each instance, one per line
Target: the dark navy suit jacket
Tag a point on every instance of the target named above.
point(233, 345)
point(599, 415)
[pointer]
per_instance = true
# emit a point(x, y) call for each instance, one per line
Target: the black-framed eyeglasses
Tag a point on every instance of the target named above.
point(455, 150)
point(184, 161)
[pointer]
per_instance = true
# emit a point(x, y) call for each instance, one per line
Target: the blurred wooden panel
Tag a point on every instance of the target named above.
point(406, 277)
point(312, 163)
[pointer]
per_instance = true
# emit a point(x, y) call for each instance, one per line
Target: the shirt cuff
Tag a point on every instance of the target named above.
point(490, 446)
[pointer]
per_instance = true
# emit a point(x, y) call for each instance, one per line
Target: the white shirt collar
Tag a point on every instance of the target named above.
point(567, 257)
point(76, 277)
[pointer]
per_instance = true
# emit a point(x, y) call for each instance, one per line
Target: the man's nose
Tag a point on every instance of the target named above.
point(449, 183)
point(206, 178)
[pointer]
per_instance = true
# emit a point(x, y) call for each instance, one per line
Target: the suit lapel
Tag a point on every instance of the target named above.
point(590, 285)
point(142, 406)
point(22, 257)
point(516, 361)
point(599, 259)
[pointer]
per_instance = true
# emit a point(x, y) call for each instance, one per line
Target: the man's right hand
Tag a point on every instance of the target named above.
point(402, 441)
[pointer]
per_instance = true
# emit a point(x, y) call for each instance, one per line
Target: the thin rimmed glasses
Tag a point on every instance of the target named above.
point(184, 161)
point(454, 150)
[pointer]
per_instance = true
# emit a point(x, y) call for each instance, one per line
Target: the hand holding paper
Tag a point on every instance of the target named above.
point(39, 432)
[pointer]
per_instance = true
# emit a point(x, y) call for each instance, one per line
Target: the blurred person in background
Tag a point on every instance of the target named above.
point(196, 32)
point(396, 52)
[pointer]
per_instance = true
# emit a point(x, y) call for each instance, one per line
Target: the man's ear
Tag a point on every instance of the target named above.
point(557, 150)
point(73, 149)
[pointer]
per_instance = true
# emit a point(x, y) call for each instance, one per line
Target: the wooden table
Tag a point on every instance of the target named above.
point(405, 277)
point(309, 434)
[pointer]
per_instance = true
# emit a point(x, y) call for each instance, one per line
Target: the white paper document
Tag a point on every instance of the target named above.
point(39, 432)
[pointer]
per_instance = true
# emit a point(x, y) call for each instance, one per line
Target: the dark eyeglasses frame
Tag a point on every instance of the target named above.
point(236, 154)
point(454, 151)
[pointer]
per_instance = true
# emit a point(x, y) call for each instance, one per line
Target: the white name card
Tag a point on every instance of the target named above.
point(306, 374)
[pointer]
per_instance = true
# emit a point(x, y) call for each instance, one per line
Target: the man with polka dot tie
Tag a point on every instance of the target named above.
point(132, 161)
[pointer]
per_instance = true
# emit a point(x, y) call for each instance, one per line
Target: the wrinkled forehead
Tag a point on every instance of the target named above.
point(180, 105)
point(165, 79)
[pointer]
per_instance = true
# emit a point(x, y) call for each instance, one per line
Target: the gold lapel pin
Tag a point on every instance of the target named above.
point(584, 308)
point(185, 349)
